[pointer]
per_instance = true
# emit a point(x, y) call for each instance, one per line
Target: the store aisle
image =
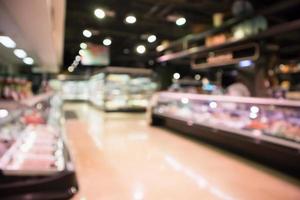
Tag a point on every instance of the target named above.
point(118, 156)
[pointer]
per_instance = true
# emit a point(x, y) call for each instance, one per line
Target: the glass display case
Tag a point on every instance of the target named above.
point(261, 121)
point(34, 158)
point(75, 90)
point(118, 88)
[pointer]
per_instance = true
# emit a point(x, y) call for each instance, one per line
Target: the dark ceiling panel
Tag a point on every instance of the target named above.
point(152, 19)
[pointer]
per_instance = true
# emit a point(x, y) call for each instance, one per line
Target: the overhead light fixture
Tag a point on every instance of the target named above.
point(176, 76)
point(151, 38)
point(107, 42)
point(28, 61)
point(78, 58)
point(83, 45)
point(180, 21)
point(197, 77)
point(130, 19)
point(71, 69)
point(81, 52)
point(7, 42)
point(87, 33)
point(99, 13)
point(141, 49)
point(20, 53)
point(160, 48)
point(245, 63)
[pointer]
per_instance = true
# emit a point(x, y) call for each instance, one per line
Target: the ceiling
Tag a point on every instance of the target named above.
point(152, 18)
point(37, 26)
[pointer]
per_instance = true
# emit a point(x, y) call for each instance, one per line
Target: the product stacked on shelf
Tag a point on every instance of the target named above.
point(121, 89)
point(276, 122)
point(34, 159)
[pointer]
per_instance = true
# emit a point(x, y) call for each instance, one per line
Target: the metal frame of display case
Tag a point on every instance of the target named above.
point(56, 186)
point(279, 153)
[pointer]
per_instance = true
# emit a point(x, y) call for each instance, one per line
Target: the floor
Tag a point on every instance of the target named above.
point(119, 157)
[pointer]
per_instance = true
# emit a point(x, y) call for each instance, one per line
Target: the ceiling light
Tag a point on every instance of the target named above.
point(160, 48)
point(7, 42)
point(87, 33)
point(176, 76)
point(99, 13)
point(83, 45)
point(71, 69)
point(151, 38)
point(140, 49)
point(78, 58)
point(130, 19)
point(107, 41)
point(197, 77)
point(75, 63)
point(28, 61)
point(20, 53)
point(180, 21)
point(81, 52)
point(245, 63)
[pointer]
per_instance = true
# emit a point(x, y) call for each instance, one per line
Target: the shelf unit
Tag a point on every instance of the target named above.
point(19, 184)
point(111, 89)
point(278, 152)
point(272, 31)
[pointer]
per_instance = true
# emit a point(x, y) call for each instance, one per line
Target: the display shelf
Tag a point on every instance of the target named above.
point(258, 137)
point(272, 31)
point(25, 165)
point(271, 125)
point(276, 7)
point(234, 60)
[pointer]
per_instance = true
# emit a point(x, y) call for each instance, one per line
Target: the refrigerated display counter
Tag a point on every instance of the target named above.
point(34, 158)
point(262, 128)
point(121, 89)
point(75, 90)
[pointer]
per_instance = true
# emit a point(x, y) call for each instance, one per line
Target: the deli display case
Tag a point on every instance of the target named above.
point(34, 158)
point(119, 88)
point(265, 129)
point(75, 90)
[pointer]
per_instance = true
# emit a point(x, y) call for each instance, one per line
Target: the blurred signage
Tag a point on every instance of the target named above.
point(95, 55)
